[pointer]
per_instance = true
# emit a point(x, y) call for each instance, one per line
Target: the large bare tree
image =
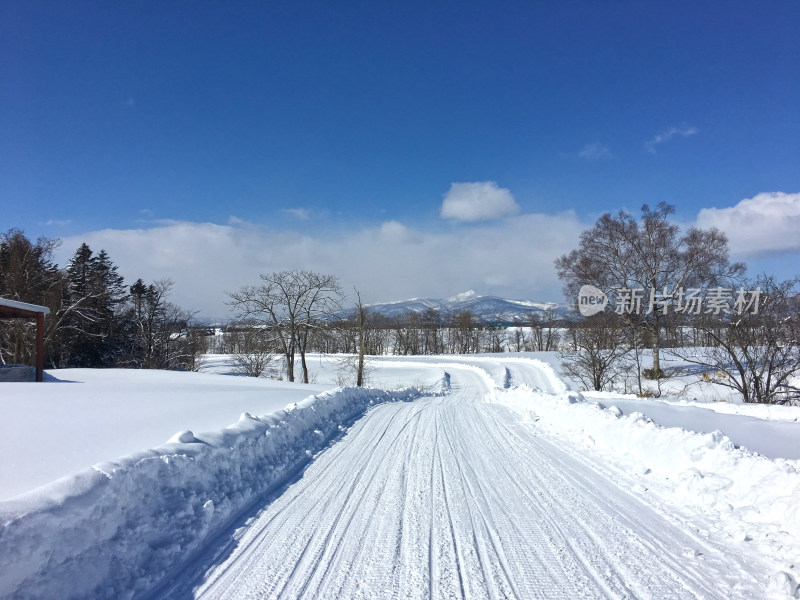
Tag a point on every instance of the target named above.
point(649, 254)
point(289, 304)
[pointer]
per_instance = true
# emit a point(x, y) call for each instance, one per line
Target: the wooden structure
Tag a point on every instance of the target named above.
point(11, 309)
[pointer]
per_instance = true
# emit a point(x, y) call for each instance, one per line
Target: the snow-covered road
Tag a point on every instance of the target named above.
point(454, 497)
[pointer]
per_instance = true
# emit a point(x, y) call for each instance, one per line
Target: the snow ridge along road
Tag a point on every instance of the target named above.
point(454, 497)
point(118, 528)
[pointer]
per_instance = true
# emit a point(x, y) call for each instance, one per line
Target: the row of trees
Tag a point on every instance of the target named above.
point(264, 330)
point(756, 355)
point(98, 321)
point(755, 352)
point(95, 319)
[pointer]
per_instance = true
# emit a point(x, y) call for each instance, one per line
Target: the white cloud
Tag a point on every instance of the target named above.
point(478, 201)
point(386, 261)
point(668, 134)
point(394, 230)
point(763, 225)
point(300, 213)
point(57, 222)
point(595, 152)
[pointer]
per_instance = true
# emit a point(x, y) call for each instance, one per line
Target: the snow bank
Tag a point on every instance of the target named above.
point(749, 497)
point(115, 530)
point(86, 416)
point(772, 437)
point(772, 412)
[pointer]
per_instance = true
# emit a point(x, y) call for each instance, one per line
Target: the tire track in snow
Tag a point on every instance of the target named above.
point(451, 497)
point(619, 512)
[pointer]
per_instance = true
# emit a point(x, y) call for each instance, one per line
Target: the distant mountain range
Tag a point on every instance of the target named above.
point(485, 308)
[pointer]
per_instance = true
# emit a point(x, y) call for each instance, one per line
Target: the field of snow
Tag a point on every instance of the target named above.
point(87, 416)
point(80, 417)
point(706, 492)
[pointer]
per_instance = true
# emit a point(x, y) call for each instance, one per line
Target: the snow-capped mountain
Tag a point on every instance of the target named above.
point(484, 308)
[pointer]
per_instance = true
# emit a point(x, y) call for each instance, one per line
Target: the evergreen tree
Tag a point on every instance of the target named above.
point(90, 335)
point(158, 332)
point(110, 295)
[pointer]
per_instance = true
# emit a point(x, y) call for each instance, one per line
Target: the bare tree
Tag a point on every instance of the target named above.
point(408, 334)
point(361, 320)
point(597, 360)
point(289, 304)
point(255, 354)
point(357, 336)
point(494, 336)
point(621, 253)
point(544, 331)
point(432, 332)
point(517, 340)
point(198, 343)
point(756, 353)
point(146, 316)
point(159, 333)
point(465, 333)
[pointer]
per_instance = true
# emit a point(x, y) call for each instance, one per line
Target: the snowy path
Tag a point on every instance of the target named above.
point(452, 497)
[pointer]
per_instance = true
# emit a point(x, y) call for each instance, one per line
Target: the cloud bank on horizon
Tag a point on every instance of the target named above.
point(389, 261)
point(494, 249)
point(764, 225)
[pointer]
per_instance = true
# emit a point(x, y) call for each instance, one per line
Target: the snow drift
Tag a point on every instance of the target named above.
point(116, 529)
point(749, 498)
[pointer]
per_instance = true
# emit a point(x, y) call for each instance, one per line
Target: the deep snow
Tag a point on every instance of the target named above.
point(86, 416)
point(775, 437)
point(450, 497)
point(116, 529)
point(123, 525)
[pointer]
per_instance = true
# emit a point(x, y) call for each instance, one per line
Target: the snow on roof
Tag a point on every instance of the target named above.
point(24, 306)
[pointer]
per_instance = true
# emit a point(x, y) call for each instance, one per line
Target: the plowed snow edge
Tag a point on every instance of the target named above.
point(116, 529)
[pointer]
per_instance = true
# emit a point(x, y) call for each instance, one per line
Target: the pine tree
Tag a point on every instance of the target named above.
point(90, 335)
point(158, 331)
point(110, 294)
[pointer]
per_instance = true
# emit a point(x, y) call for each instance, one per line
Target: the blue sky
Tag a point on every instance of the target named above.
point(189, 137)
